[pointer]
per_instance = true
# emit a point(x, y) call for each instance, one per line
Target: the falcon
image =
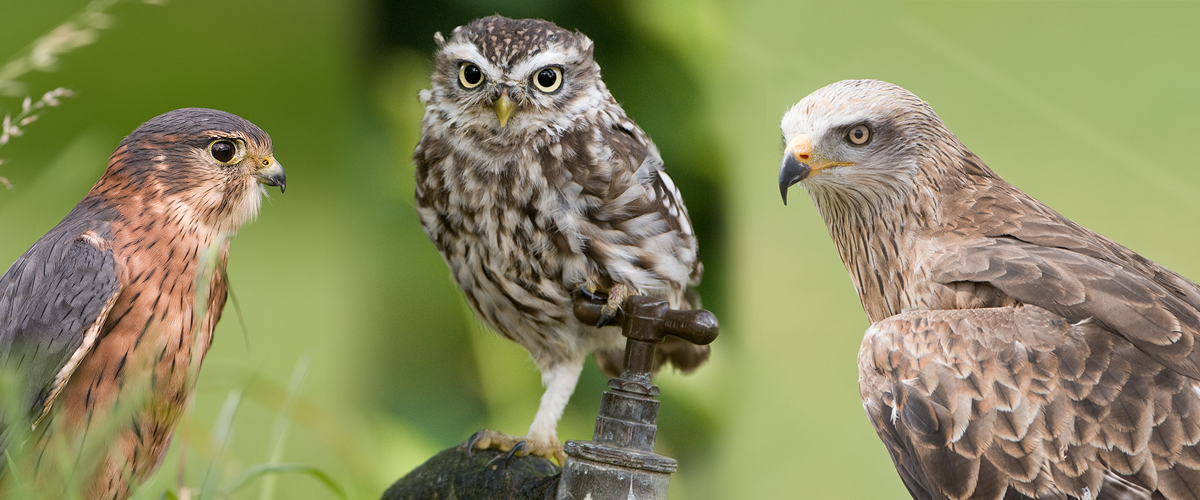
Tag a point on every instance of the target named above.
point(536, 187)
point(1012, 353)
point(108, 316)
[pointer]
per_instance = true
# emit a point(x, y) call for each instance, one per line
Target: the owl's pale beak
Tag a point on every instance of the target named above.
point(271, 174)
point(505, 108)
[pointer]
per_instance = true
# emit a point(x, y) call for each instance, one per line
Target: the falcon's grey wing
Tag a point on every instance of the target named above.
point(1076, 286)
point(973, 403)
point(53, 302)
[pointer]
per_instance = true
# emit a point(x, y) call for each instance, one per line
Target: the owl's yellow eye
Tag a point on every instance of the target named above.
point(469, 75)
point(548, 79)
point(859, 135)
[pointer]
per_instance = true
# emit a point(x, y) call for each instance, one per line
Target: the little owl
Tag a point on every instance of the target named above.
point(535, 186)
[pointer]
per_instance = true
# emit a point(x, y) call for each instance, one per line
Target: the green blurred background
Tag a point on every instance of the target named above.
point(1089, 106)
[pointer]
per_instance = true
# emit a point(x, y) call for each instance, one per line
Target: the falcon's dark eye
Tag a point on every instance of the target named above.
point(223, 151)
point(859, 135)
point(469, 75)
point(548, 79)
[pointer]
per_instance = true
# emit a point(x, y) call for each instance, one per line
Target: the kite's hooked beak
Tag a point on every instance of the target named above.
point(801, 162)
point(272, 174)
point(791, 172)
point(504, 108)
point(795, 167)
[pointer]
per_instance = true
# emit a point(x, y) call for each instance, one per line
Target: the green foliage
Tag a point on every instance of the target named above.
point(270, 470)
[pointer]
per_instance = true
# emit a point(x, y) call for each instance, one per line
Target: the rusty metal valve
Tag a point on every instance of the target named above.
point(619, 462)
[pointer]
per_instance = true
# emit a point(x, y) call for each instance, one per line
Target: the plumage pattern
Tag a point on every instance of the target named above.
point(116, 305)
point(1012, 353)
point(534, 192)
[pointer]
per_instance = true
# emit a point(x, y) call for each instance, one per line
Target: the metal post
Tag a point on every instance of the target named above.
point(619, 463)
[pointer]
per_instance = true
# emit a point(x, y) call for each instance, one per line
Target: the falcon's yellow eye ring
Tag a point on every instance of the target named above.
point(469, 75)
point(859, 135)
point(226, 151)
point(548, 79)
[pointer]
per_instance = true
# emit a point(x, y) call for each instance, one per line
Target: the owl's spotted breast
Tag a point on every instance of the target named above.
point(496, 231)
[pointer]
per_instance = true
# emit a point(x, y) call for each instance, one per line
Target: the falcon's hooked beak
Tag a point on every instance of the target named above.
point(272, 174)
point(799, 163)
point(504, 108)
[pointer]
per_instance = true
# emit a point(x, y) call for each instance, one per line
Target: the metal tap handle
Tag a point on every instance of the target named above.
point(648, 320)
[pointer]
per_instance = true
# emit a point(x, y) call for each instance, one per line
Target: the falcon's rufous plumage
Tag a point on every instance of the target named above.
point(1012, 353)
point(107, 317)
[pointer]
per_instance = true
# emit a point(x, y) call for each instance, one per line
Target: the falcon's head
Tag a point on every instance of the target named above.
point(860, 137)
point(200, 166)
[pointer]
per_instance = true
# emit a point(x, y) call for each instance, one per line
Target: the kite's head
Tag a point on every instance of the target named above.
point(856, 136)
point(203, 165)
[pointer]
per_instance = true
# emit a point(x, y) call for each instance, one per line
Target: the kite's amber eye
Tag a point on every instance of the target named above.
point(859, 135)
point(469, 75)
point(548, 79)
point(222, 151)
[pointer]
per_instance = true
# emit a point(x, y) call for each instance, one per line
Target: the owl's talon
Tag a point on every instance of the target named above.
point(518, 450)
point(514, 446)
point(590, 295)
point(612, 305)
point(606, 317)
point(472, 443)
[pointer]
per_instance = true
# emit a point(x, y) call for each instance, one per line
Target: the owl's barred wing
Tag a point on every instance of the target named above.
point(638, 230)
point(1078, 287)
point(971, 403)
point(53, 302)
point(679, 220)
point(640, 235)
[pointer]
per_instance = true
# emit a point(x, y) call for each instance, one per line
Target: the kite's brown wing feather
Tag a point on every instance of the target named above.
point(992, 208)
point(976, 403)
point(1141, 309)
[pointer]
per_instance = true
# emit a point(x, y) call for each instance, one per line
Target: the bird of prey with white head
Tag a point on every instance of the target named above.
point(1012, 353)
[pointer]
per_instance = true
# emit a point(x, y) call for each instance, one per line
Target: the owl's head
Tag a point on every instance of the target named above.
point(499, 77)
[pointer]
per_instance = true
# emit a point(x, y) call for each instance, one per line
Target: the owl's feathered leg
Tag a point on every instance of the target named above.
point(542, 440)
point(560, 380)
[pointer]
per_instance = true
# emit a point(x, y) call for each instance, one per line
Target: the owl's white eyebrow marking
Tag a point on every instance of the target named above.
point(462, 51)
point(543, 59)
